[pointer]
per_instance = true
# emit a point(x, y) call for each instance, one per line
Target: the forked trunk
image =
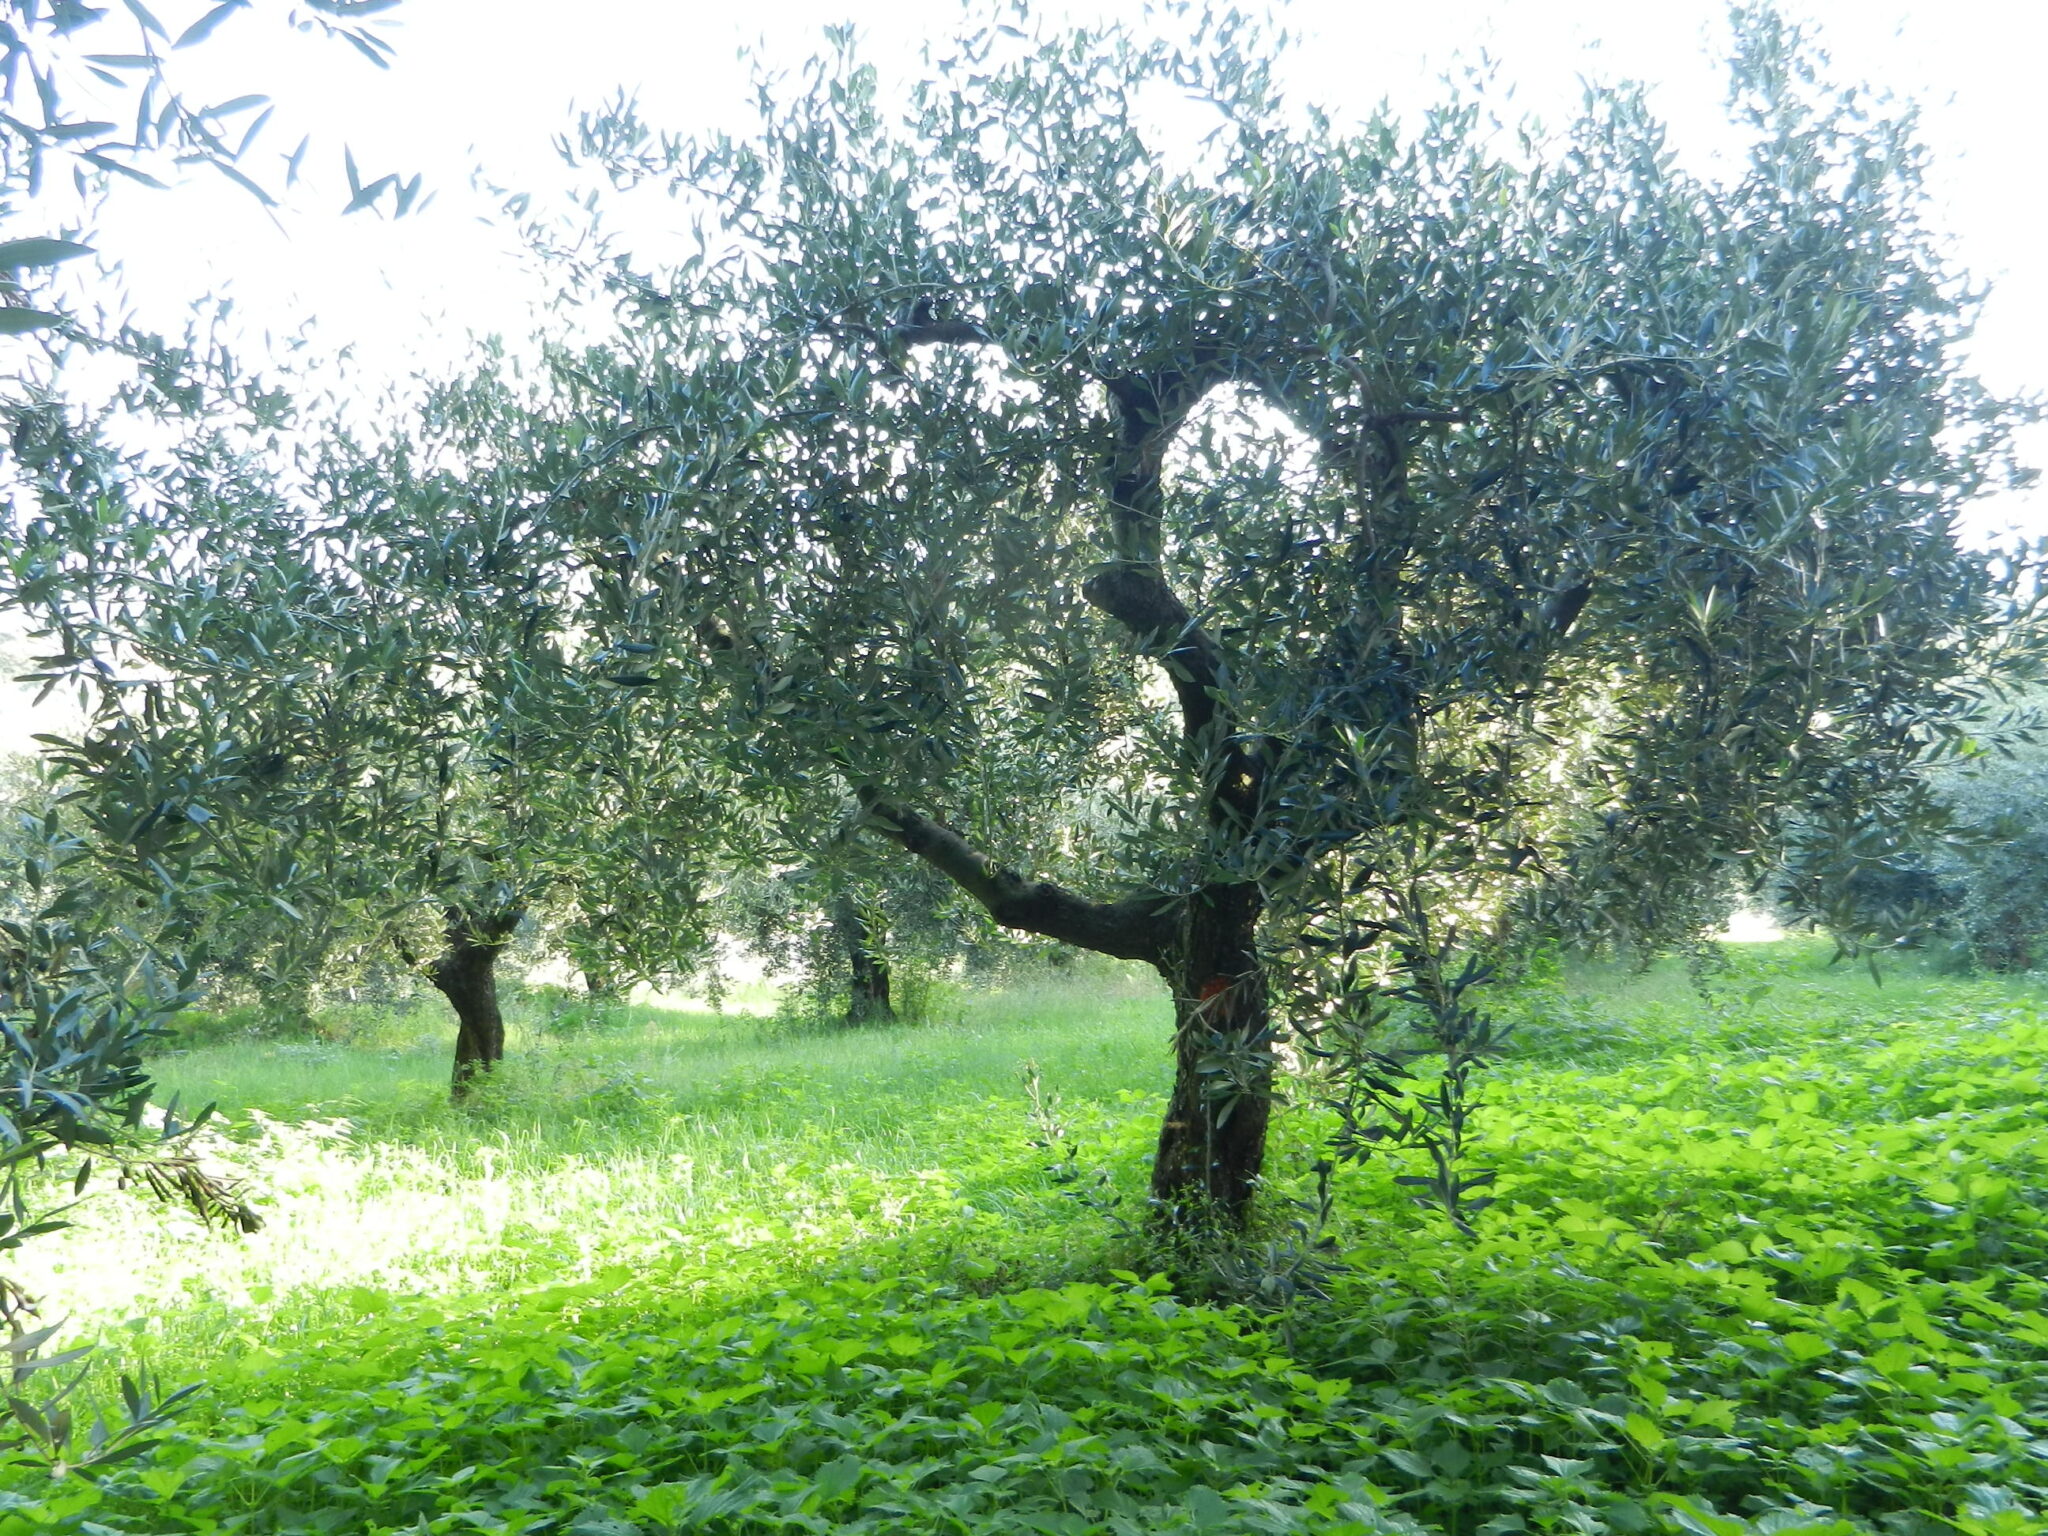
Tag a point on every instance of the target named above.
point(1212, 1143)
point(868, 967)
point(466, 973)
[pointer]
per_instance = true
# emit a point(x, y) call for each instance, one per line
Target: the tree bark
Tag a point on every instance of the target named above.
point(1212, 1143)
point(868, 1001)
point(466, 973)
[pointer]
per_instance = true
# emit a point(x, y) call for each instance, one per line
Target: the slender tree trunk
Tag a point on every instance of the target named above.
point(1212, 1143)
point(466, 973)
point(869, 968)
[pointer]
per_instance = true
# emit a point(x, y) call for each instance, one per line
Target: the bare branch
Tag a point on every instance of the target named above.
point(1132, 929)
point(1138, 598)
point(936, 333)
point(1133, 591)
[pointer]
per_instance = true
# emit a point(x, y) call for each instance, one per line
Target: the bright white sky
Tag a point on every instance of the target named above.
point(487, 83)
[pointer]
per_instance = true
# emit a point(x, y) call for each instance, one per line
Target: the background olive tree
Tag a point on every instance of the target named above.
point(1969, 881)
point(347, 679)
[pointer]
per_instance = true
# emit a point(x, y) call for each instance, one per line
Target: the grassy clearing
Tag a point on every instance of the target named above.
point(1767, 1261)
point(665, 1132)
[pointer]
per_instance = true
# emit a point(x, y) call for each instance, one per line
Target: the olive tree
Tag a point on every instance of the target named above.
point(853, 929)
point(351, 685)
point(1393, 517)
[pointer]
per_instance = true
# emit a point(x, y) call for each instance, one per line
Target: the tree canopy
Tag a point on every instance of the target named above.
point(343, 691)
point(1402, 532)
point(1393, 519)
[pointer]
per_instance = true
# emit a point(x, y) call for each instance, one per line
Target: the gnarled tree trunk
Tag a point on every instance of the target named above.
point(1213, 1140)
point(466, 973)
point(1212, 1143)
point(868, 1001)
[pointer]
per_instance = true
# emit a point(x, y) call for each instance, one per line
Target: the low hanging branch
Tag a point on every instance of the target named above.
point(1135, 928)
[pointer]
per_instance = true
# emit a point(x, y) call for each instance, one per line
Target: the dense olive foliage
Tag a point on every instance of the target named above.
point(1987, 884)
point(87, 981)
point(1397, 525)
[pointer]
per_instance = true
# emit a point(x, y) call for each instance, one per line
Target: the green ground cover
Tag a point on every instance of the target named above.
point(1770, 1259)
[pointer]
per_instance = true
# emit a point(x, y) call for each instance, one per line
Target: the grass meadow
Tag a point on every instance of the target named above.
point(663, 1131)
point(1768, 1257)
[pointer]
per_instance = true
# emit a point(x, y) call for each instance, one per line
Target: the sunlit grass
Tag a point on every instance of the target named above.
point(688, 1140)
point(1691, 1169)
point(668, 1134)
point(1759, 997)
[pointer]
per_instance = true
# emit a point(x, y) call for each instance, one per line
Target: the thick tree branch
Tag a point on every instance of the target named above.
point(483, 930)
point(918, 328)
point(1563, 607)
point(1133, 590)
point(1138, 598)
point(1151, 408)
point(937, 333)
point(1132, 929)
